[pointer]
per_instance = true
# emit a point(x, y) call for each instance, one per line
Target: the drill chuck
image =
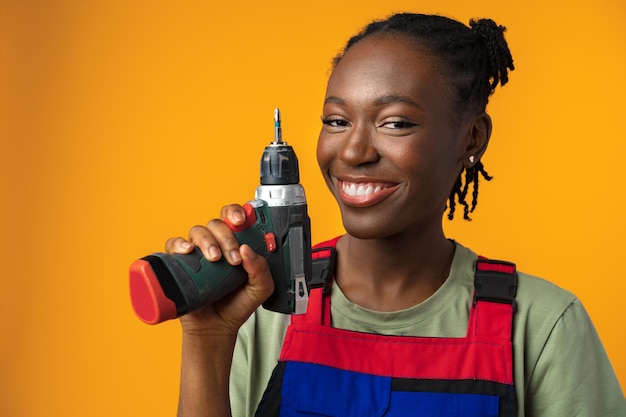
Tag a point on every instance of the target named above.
point(279, 163)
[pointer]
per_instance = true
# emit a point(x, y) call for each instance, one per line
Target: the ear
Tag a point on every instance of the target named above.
point(477, 139)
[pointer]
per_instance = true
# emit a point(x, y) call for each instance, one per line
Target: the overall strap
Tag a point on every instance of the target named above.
point(495, 286)
point(491, 313)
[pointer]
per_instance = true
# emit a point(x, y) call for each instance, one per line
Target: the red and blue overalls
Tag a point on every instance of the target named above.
point(324, 371)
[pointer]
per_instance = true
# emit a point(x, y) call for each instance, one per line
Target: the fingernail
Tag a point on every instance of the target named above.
point(214, 252)
point(237, 217)
point(235, 256)
point(185, 245)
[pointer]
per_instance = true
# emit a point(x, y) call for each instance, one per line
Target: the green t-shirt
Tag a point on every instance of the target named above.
point(561, 368)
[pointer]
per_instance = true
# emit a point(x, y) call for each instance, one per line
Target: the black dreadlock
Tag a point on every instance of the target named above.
point(475, 60)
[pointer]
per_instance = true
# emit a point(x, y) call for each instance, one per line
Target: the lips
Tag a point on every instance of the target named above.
point(363, 194)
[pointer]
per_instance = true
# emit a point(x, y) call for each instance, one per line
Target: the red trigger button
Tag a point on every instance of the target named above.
point(270, 242)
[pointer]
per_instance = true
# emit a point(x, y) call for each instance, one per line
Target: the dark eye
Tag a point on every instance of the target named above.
point(398, 124)
point(335, 122)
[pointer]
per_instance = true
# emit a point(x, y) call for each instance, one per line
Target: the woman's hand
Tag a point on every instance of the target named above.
point(217, 240)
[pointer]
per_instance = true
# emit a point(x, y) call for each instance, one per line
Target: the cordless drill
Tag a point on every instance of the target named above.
point(277, 226)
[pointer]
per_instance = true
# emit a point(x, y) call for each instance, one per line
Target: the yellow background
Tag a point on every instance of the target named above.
point(126, 122)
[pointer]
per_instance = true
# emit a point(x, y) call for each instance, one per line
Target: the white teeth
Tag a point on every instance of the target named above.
point(361, 190)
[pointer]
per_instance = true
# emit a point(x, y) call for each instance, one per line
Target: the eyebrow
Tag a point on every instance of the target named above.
point(334, 99)
point(392, 98)
point(387, 99)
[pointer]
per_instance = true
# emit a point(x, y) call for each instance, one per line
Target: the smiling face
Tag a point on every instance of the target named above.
point(389, 148)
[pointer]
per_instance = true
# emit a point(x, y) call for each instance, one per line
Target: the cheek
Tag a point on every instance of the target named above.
point(325, 152)
point(429, 168)
point(406, 157)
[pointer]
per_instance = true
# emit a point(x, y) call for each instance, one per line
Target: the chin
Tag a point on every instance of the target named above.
point(366, 230)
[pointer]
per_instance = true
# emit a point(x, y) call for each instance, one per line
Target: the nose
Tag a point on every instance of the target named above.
point(359, 147)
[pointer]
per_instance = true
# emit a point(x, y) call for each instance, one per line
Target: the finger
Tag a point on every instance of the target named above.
point(222, 238)
point(178, 245)
point(234, 213)
point(259, 274)
point(201, 237)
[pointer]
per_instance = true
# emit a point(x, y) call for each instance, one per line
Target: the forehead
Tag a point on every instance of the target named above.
point(387, 64)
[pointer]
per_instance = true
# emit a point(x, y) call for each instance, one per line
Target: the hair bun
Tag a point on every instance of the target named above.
point(500, 58)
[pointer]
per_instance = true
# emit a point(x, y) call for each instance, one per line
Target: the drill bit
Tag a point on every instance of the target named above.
point(278, 131)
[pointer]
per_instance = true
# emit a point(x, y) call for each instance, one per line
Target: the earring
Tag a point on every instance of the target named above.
point(471, 159)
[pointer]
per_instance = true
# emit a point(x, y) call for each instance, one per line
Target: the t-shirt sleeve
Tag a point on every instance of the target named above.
point(573, 375)
point(255, 356)
point(240, 373)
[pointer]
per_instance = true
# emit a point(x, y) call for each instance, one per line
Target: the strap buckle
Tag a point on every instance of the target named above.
point(495, 281)
point(322, 268)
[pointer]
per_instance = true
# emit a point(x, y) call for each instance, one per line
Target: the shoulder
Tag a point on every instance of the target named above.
point(559, 356)
point(539, 297)
point(539, 302)
point(541, 305)
point(536, 298)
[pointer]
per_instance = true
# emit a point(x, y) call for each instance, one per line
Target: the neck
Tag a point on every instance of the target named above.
point(392, 273)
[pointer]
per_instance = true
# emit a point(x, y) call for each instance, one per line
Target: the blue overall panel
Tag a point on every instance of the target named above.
point(352, 394)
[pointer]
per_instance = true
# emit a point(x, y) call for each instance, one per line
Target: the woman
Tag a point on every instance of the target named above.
point(404, 128)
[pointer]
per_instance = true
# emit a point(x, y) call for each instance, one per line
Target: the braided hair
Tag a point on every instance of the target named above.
point(475, 60)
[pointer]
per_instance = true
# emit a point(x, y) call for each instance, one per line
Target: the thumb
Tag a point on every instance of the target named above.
point(260, 280)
